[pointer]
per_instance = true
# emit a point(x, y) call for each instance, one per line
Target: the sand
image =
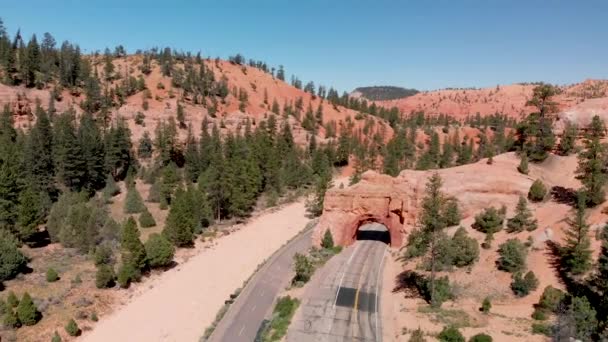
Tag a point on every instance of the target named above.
point(181, 303)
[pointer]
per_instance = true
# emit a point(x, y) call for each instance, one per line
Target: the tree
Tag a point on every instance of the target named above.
point(133, 203)
point(144, 149)
point(72, 328)
point(537, 191)
point(512, 256)
point(450, 334)
point(56, 337)
point(568, 141)
point(180, 223)
point(465, 249)
point(133, 251)
point(591, 163)
point(523, 219)
point(303, 268)
point(11, 320)
point(522, 286)
point(489, 221)
point(451, 212)
point(481, 338)
point(67, 153)
point(486, 305)
point(159, 250)
point(27, 312)
point(328, 240)
point(576, 257)
point(146, 220)
point(536, 131)
point(417, 336)
point(523, 164)
point(104, 277)
point(11, 259)
point(51, 275)
point(31, 64)
point(579, 320)
point(30, 213)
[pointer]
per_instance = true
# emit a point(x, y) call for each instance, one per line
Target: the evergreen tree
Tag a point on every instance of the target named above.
point(30, 214)
point(159, 250)
point(133, 251)
point(9, 171)
point(180, 224)
point(67, 153)
point(591, 169)
point(523, 219)
point(133, 203)
point(118, 145)
point(568, 141)
point(523, 164)
point(577, 251)
point(31, 64)
point(144, 149)
point(93, 153)
point(27, 312)
point(12, 259)
point(38, 155)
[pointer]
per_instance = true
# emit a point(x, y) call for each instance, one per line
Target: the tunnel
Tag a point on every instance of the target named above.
point(373, 231)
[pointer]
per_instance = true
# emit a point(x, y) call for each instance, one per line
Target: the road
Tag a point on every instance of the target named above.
point(255, 303)
point(341, 302)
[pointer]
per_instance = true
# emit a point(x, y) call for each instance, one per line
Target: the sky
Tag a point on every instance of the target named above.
point(416, 44)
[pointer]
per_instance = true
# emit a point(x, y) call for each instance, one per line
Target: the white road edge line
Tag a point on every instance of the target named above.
point(377, 294)
point(331, 322)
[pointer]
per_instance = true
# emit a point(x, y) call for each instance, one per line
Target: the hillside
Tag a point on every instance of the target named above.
point(382, 93)
point(506, 99)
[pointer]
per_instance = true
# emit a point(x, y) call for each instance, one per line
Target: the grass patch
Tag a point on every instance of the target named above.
point(281, 318)
point(220, 314)
point(447, 317)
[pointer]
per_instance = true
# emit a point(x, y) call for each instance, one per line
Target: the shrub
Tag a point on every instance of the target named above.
point(111, 189)
point(159, 251)
point(512, 256)
point(56, 337)
point(3, 307)
point(11, 320)
point(12, 260)
point(486, 305)
point(523, 219)
point(139, 118)
point(523, 286)
point(452, 213)
point(94, 317)
point(303, 267)
point(450, 334)
point(154, 195)
point(549, 302)
point(542, 329)
point(11, 300)
point(481, 338)
point(490, 220)
point(127, 273)
point(146, 220)
point(51, 275)
point(133, 202)
point(104, 278)
point(328, 240)
point(27, 312)
point(523, 164)
point(417, 336)
point(537, 192)
point(465, 250)
point(103, 255)
point(72, 328)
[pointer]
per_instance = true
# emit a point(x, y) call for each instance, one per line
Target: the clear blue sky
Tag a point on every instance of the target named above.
point(421, 44)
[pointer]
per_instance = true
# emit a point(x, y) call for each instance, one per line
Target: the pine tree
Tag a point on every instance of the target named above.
point(568, 141)
point(30, 214)
point(133, 203)
point(31, 63)
point(180, 224)
point(67, 153)
point(591, 160)
point(144, 149)
point(9, 171)
point(601, 277)
point(577, 250)
point(27, 312)
point(159, 250)
point(12, 259)
point(133, 251)
point(93, 153)
point(38, 155)
point(523, 219)
point(523, 164)
point(118, 145)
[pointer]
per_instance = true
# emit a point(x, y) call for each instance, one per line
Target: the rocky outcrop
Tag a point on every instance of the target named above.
point(395, 201)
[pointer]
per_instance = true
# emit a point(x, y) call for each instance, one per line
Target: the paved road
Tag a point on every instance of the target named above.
point(341, 303)
point(243, 319)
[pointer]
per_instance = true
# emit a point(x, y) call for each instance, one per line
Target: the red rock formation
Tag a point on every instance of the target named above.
point(395, 201)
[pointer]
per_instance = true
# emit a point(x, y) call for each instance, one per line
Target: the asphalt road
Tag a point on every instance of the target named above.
point(254, 304)
point(342, 301)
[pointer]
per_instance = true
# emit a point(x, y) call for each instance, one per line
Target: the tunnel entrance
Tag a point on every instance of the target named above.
point(373, 231)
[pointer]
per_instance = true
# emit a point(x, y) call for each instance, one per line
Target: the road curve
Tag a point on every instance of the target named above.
point(243, 319)
point(342, 301)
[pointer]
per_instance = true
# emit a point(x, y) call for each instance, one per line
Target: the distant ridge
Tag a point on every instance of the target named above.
point(382, 93)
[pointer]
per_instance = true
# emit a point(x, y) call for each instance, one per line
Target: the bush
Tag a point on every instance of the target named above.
point(27, 312)
point(549, 302)
point(481, 338)
point(523, 164)
point(154, 195)
point(103, 255)
point(303, 267)
point(486, 305)
point(11, 300)
point(450, 334)
point(537, 192)
point(452, 213)
point(328, 240)
point(56, 337)
point(490, 220)
point(133, 202)
point(51, 275)
point(523, 286)
point(417, 336)
point(111, 189)
point(159, 251)
point(127, 273)
point(464, 248)
point(512, 256)
point(523, 219)
point(72, 328)
point(139, 118)
point(10, 320)
point(146, 220)
point(12, 260)
point(104, 278)
point(542, 329)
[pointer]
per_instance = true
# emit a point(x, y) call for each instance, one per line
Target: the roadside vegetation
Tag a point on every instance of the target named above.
point(305, 265)
point(283, 311)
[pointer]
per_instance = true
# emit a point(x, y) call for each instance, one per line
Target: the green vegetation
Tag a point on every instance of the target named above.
point(450, 334)
point(159, 251)
point(486, 305)
point(51, 275)
point(27, 312)
point(523, 219)
point(481, 338)
point(576, 254)
point(380, 93)
point(522, 286)
point(512, 256)
point(281, 318)
point(549, 303)
point(72, 328)
point(537, 191)
point(591, 160)
point(146, 220)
